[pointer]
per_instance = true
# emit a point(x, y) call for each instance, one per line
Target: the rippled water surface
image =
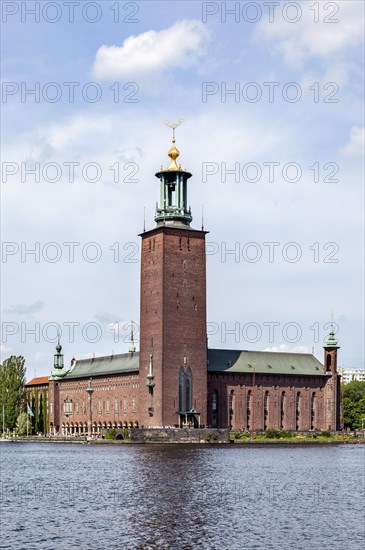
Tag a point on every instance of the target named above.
point(64, 496)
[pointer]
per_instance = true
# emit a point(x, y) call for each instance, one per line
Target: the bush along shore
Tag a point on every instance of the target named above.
point(198, 436)
point(282, 436)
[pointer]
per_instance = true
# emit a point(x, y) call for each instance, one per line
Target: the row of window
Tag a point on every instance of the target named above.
point(283, 398)
point(152, 243)
point(102, 405)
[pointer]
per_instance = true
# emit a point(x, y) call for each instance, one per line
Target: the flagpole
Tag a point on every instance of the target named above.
point(3, 419)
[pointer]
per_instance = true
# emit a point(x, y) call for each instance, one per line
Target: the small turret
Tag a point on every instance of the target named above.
point(330, 353)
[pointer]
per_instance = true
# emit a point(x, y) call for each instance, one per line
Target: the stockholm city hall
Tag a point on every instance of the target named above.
point(175, 380)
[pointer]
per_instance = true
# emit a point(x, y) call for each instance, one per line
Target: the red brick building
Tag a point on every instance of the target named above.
point(175, 380)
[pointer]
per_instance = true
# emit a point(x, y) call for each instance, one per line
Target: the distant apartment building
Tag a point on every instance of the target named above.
point(353, 374)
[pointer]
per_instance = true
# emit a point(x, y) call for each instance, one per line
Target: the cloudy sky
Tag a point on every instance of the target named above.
point(271, 94)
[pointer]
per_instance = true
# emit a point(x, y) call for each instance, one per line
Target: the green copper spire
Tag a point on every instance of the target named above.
point(58, 370)
point(172, 207)
point(331, 341)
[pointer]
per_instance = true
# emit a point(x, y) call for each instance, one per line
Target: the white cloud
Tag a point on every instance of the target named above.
point(356, 145)
point(309, 39)
point(153, 53)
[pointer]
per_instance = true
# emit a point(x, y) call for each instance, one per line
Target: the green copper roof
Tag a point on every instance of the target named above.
point(265, 362)
point(110, 364)
point(219, 360)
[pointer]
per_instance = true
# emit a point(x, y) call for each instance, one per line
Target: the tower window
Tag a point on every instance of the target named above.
point(328, 362)
point(188, 390)
point(181, 389)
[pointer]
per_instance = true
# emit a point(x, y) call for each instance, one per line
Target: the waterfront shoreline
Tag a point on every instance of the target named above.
point(247, 442)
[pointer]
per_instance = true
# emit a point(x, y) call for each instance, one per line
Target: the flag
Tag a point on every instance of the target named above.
point(29, 410)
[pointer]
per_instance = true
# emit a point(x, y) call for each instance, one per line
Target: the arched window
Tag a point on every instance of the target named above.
point(231, 405)
point(181, 389)
point(188, 390)
point(248, 409)
point(297, 410)
point(313, 411)
point(282, 410)
point(266, 409)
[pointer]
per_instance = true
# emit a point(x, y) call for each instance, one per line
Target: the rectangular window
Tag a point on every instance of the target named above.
point(108, 405)
point(133, 404)
point(124, 405)
point(77, 407)
point(116, 405)
point(100, 406)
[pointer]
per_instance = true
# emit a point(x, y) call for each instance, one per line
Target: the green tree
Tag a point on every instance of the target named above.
point(41, 420)
point(21, 424)
point(34, 417)
point(354, 402)
point(44, 412)
point(12, 394)
point(36, 411)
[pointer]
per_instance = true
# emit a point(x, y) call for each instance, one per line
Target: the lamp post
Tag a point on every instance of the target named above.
point(90, 391)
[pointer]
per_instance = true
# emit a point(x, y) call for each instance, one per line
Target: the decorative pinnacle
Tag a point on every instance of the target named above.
point(132, 347)
point(173, 153)
point(58, 347)
point(173, 126)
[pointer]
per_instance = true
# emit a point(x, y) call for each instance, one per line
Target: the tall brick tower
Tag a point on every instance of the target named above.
point(332, 389)
point(173, 338)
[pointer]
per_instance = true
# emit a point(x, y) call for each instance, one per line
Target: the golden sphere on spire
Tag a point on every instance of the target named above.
point(173, 153)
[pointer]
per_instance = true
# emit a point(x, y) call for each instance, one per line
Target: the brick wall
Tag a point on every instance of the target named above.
point(173, 321)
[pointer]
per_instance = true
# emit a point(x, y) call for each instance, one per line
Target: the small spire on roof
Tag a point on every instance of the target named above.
point(132, 347)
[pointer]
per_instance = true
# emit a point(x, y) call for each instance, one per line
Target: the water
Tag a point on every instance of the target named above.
point(64, 496)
